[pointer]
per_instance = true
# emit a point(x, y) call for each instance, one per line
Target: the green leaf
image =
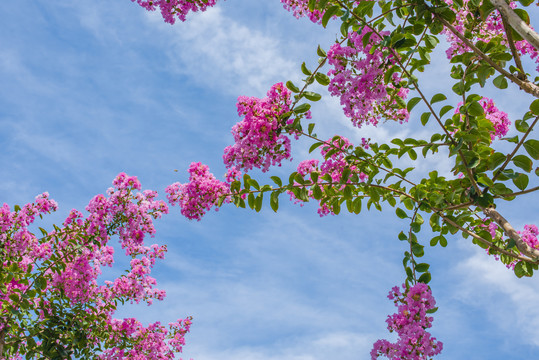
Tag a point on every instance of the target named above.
point(523, 15)
point(417, 250)
point(521, 126)
point(312, 96)
point(329, 14)
point(290, 85)
point(445, 109)
point(431, 41)
point(314, 146)
point(322, 79)
point(443, 241)
point(496, 160)
point(305, 70)
point(317, 192)
point(534, 107)
point(521, 181)
point(251, 200)
point(425, 278)
point(523, 162)
point(526, 2)
point(41, 283)
point(500, 82)
point(425, 118)
point(336, 208)
point(532, 147)
point(422, 267)
point(357, 205)
point(302, 108)
point(473, 162)
point(258, 202)
point(437, 98)
point(475, 109)
point(413, 102)
point(347, 193)
point(320, 51)
point(274, 201)
point(522, 270)
point(401, 213)
point(364, 8)
point(277, 181)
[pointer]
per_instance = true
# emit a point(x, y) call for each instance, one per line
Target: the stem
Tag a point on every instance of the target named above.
point(367, 161)
point(2, 341)
point(520, 192)
point(498, 172)
point(410, 242)
point(527, 86)
point(516, 57)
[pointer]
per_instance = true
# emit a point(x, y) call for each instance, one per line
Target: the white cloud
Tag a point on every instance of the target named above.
point(510, 303)
point(220, 53)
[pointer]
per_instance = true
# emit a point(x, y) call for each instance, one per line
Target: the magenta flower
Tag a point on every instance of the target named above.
point(410, 323)
point(258, 139)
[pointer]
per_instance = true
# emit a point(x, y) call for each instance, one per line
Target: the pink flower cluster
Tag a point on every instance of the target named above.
point(499, 119)
point(357, 78)
point(69, 259)
point(172, 9)
point(202, 191)
point(258, 139)
point(410, 322)
point(487, 30)
point(300, 8)
point(153, 342)
point(332, 165)
point(529, 236)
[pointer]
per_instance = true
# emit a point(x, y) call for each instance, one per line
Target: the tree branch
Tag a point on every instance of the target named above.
point(498, 172)
point(516, 57)
point(486, 242)
point(517, 23)
point(524, 248)
point(527, 86)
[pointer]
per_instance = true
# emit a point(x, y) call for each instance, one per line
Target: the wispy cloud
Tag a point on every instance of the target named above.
point(231, 58)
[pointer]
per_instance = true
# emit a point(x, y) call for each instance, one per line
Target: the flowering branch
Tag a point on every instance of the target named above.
point(527, 86)
point(512, 233)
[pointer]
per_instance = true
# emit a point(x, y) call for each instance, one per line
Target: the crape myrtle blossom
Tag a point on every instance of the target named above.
point(499, 119)
point(484, 31)
point(300, 8)
point(259, 142)
point(333, 165)
point(357, 78)
point(172, 9)
point(410, 323)
point(69, 262)
point(202, 191)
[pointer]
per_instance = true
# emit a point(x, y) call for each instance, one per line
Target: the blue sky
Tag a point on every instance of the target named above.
point(91, 89)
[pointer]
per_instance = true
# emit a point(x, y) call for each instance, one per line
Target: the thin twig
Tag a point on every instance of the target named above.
point(499, 171)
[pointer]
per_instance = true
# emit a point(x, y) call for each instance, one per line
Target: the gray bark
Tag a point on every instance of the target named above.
point(517, 23)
